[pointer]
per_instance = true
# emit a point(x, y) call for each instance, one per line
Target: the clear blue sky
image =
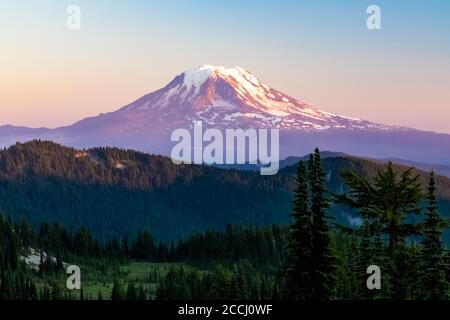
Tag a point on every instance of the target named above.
point(317, 51)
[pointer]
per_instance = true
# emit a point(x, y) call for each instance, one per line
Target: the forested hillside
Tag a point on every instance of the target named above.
point(312, 258)
point(117, 192)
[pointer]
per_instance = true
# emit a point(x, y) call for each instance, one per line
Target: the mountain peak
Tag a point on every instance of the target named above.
point(196, 77)
point(213, 69)
point(232, 97)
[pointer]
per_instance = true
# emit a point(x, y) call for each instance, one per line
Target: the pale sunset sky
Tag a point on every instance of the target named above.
point(319, 52)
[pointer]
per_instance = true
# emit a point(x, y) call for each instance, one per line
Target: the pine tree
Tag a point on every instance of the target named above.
point(388, 202)
point(311, 263)
point(365, 255)
point(299, 269)
point(239, 286)
point(433, 280)
point(221, 283)
point(323, 262)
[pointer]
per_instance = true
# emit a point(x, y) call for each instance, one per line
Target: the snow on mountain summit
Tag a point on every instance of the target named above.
point(195, 78)
point(228, 97)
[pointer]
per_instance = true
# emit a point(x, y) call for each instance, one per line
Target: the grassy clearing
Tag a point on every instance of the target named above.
point(145, 274)
point(98, 277)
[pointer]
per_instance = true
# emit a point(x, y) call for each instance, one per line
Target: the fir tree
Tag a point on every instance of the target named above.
point(299, 269)
point(365, 255)
point(323, 260)
point(433, 280)
point(388, 201)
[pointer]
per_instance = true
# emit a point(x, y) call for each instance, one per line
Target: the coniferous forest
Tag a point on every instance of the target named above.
point(141, 228)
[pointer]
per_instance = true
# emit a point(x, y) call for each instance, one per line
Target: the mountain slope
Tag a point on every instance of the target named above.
point(224, 98)
point(116, 192)
point(233, 98)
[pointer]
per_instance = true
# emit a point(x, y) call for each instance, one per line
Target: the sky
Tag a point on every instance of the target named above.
point(319, 52)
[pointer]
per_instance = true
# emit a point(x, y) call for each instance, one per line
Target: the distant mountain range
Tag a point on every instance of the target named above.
point(439, 169)
point(234, 98)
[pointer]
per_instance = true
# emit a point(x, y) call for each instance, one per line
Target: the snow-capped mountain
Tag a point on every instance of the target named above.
point(226, 98)
point(234, 98)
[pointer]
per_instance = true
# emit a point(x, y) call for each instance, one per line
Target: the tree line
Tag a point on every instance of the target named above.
point(241, 247)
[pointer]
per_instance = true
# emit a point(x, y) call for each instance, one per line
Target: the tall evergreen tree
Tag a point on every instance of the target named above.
point(364, 258)
point(299, 269)
point(323, 259)
point(388, 201)
point(311, 268)
point(433, 279)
